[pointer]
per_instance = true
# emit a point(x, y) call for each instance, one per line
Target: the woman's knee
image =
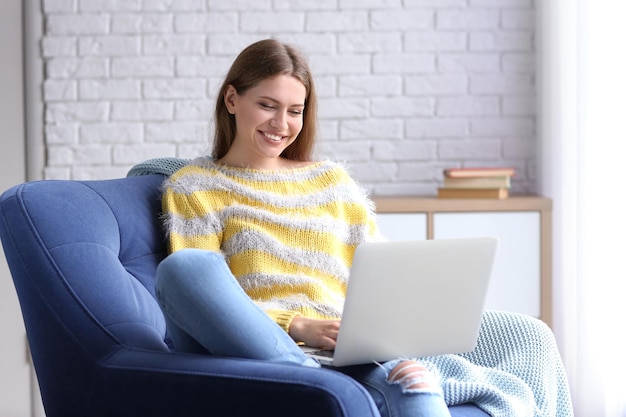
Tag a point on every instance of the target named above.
point(187, 262)
point(188, 259)
point(517, 327)
point(412, 376)
point(185, 270)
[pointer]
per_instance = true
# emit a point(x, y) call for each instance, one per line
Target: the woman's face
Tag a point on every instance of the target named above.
point(268, 119)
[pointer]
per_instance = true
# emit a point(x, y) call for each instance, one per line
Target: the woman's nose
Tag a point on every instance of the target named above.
point(279, 121)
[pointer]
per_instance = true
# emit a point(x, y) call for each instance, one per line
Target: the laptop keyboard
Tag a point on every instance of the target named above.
point(325, 353)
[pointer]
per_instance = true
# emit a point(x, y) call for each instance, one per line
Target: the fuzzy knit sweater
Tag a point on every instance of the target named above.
point(288, 236)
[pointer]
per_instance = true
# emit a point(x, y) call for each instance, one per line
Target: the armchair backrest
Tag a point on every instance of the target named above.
point(83, 257)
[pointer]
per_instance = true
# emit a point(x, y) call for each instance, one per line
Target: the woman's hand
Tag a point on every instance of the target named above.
point(314, 332)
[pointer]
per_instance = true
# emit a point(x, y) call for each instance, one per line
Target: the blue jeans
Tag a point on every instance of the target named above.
point(207, 311)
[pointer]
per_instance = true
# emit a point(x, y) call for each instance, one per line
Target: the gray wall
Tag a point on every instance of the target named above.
point(14, 368)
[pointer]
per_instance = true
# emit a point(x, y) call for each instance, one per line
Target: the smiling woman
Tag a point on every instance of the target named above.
point(251, 70)
point(263, 236)
point(268, 119)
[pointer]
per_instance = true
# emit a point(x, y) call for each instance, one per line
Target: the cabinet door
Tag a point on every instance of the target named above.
point(402, 226)
point(516, 279)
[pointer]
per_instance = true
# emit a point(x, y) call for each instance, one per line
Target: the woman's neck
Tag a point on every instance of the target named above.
point(269, 164)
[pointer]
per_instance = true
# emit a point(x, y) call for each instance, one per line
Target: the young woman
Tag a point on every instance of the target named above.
point(261, 236)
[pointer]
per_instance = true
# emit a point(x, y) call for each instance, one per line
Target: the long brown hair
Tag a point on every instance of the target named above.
point(257, 62)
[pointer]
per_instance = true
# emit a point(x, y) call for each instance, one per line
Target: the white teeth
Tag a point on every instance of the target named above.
point(273, 137)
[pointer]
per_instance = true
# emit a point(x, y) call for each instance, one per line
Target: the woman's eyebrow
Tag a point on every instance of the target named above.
point(278, 102)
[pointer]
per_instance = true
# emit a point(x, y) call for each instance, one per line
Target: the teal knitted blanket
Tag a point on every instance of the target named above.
point(164, 166)
point(514, 371)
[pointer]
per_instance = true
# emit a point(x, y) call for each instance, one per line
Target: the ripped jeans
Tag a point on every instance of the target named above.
point(396, 398)
point(193, 285)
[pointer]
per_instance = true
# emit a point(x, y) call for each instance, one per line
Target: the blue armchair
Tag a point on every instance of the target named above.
point(83, 256)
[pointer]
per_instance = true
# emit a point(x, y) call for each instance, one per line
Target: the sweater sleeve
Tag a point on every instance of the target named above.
point(282, 317)
point(365, 214)
point(188, 222)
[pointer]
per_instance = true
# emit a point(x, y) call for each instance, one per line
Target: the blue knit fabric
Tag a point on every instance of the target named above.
point(164, 166)
point(515, 370)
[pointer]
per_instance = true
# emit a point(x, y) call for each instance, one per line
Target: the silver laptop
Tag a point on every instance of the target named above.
point(412, 299)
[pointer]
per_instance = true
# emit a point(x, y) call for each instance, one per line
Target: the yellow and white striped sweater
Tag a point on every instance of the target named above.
point(288, 236)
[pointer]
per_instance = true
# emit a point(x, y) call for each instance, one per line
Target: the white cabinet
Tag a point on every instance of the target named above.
point(515, 280)
point(403, 226)
point(521, 280)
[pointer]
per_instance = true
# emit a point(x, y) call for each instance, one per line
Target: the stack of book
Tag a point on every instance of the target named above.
point(476, 183)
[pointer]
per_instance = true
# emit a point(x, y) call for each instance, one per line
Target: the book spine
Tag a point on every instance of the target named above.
point(478, 172)
point(477, 182)
point(498, 193)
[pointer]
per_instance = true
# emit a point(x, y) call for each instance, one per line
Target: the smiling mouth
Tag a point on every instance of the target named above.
point(273, 138)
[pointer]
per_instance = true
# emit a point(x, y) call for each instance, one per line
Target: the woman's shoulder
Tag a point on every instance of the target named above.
point(199, 165)
point(191, 176)
point(337, 169)
point(201, 168)
point(329, 165)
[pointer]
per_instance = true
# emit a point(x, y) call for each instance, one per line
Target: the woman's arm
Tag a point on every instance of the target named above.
point(188, 222)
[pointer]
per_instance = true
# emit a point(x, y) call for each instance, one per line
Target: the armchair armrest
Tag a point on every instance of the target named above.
point(140, 383)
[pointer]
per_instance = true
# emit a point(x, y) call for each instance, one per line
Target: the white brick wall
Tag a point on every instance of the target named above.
point(407, 87)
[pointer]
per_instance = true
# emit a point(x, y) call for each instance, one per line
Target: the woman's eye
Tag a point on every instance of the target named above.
point(267, 106)
point(296, 112)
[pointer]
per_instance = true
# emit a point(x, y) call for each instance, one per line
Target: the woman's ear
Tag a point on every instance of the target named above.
point(230, 98)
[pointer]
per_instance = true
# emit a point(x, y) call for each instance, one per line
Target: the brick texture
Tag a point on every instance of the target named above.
point(406, 87)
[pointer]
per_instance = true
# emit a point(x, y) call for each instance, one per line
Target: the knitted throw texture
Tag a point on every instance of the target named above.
point(515, 370)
